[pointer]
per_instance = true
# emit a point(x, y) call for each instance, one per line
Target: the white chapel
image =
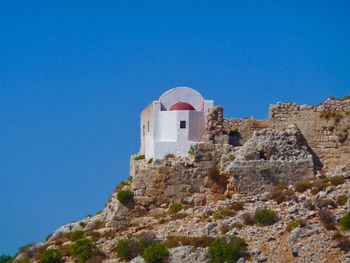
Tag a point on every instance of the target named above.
point(174, 122)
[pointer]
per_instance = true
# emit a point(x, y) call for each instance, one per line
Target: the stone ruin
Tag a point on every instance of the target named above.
point(247, 156)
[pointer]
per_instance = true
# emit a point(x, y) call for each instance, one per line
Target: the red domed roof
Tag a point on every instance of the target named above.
point(182, 106)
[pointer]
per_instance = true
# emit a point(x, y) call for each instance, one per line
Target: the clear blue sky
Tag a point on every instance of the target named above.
point(74, 76)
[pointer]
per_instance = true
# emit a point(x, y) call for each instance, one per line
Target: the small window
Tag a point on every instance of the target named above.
point(143, 130)
point(148, 126)
point(182, 124)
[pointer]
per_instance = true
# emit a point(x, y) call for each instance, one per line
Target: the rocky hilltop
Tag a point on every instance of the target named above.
point(271, 190)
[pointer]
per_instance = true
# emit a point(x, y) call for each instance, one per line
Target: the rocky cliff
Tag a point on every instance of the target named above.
point(260, 181)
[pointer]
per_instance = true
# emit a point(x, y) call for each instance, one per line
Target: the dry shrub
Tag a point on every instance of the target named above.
point(281, 196)
point(237, 206)
point(342, 199)
point(170, 156)
point(175, 241)
point(325, 203)
point(343, 242)
point(224, 229)
point(302, 186)
point(308, 204)
point(337, 180)
point(248, 219)
point(327, 219)
point(280, 186)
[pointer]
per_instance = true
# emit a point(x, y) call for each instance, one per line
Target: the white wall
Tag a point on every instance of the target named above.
point(165, 135)
point(171, 139)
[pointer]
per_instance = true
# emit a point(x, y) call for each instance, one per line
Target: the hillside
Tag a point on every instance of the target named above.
point(254, 191)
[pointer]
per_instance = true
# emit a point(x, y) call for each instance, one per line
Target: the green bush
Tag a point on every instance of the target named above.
point(218, 215)
point(125, 197)
point(51, 256)
point(265, 217)
point(342, 199)
point(155, 253)
point(75, 235)
point(124, 249)
point(133, 246)
point(302, 186)
point(150, 161)
point(82, 249)
point(227, 250)
point(344, 223)
point(174, 208)
point(140, 157)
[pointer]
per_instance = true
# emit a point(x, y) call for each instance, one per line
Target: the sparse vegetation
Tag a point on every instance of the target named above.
point(82, 249)
point(337, 180)
point(193, 149)
point(344, 223)
point(302, 186)
point(125, 197)
point(218, 215)
point(155, 253)
point(265, 217)
point(342, 199)
point(224, 212)
point(150, 161)
point(227, 249)
point(174, 208)
point(140, 157)
point(51, 256)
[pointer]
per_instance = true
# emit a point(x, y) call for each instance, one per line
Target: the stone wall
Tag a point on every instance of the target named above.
point(325, 128)
point(270, 156)
point(230, 131)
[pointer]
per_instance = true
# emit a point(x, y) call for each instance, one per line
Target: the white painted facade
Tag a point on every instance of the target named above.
point(173, 123)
